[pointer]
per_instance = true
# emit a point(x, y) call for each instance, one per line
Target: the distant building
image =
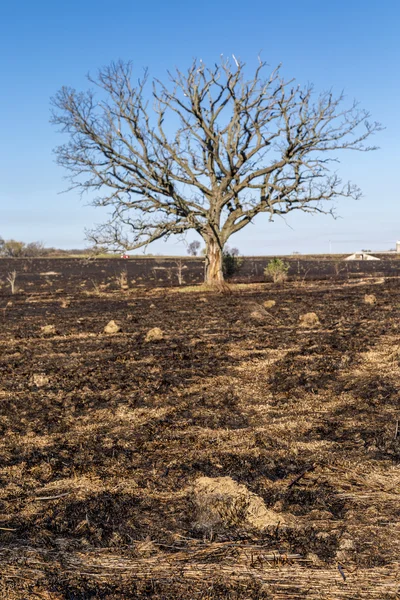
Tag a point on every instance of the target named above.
point(395, 250)
point(361, 256)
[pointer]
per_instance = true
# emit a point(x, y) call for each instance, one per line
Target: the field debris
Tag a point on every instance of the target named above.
point(154, 335)
point(370, 299)
point(309, 320)
point(222, 502)
point(112, 327)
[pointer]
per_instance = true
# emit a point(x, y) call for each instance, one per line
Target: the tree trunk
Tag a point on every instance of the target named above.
point(214, 275)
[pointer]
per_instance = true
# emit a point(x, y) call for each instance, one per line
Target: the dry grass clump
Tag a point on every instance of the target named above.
point(309, 320)
point(122, 280)
point(48, 330)
point(222, 502)
point(111, 327)
point(370, 299)
point(154, 335)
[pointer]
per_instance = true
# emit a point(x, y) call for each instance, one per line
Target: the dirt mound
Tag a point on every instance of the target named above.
point(154, 335)
point(258, 312)
point(39, 380)
point(309, 320)
point(269, 303)
point(222, 502)
point(48, 330)
point(112, 327)
point(370, 299)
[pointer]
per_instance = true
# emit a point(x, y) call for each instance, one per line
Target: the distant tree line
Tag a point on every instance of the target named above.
point(17, 249)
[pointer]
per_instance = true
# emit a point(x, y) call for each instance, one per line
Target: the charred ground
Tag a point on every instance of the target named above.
point(104, 435)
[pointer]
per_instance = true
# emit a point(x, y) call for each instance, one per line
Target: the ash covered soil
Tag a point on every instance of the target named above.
point(133, 468)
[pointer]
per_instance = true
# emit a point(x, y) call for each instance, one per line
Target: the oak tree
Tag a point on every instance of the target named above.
point(209, 150)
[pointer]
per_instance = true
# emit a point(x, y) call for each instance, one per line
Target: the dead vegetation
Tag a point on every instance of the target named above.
point(234, 458)
point(122, 280)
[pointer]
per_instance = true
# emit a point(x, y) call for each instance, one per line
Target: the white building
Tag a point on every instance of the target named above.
point(361, 256)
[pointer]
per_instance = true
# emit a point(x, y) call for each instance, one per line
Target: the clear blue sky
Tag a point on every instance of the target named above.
point(345, 44)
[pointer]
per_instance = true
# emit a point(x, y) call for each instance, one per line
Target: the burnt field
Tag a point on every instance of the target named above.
point(243, 453)
point(91, 274)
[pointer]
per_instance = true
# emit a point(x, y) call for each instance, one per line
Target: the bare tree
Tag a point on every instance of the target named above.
point(180, 266)
point(209, 151)
point(34, 249)
point(193, 248)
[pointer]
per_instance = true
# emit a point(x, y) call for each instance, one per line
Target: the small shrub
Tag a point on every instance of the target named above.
point(277, 270)
point(231, 262)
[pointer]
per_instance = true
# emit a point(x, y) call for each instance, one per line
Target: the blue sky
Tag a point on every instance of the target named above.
point(351, 45)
